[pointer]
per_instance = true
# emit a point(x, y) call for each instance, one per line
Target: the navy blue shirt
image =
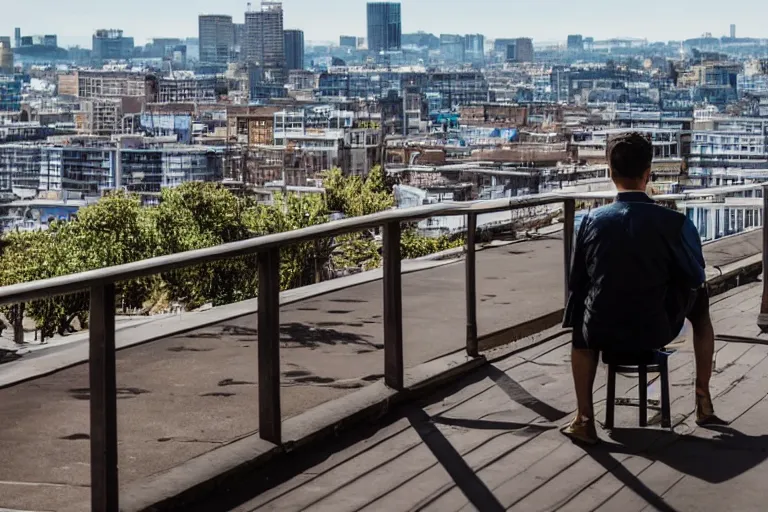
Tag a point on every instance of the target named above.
point(632, 261)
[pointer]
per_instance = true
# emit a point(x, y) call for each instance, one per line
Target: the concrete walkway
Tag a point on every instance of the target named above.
point(184, 395)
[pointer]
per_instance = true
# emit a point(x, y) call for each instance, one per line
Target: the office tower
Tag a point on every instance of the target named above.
point(474, 48)
point(6, 56)
point(452, 48)
point(384, 27)
point(17, 37)
point(216, 38)
point(733, 31)
point(294, 49)
point(521, 50)
point(265, 38)
point(111, 45)
point(575, 43)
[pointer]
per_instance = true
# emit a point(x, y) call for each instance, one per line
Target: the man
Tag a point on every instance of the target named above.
point(637, 274)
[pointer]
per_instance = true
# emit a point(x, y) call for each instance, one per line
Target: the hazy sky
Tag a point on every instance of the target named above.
point(324, 20)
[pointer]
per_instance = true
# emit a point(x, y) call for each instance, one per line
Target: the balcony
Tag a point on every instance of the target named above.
point(189, 405)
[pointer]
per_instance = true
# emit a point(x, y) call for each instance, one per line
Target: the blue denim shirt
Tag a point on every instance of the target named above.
point(631, 260)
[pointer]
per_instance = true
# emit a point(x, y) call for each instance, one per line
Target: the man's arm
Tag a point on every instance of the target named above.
point(578, 280)
point(689, 256)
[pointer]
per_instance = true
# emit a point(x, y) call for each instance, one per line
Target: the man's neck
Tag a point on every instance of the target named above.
point(628, 190)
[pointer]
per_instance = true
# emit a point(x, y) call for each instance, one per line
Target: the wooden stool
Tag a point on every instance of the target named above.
point(640, 363)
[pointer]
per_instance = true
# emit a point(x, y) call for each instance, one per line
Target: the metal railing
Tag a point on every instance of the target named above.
point(101, 283)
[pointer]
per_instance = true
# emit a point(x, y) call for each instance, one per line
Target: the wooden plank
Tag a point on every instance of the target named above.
point(659, 477)
point(450, 498)
point(413, 488)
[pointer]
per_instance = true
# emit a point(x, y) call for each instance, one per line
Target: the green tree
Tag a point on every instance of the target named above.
point(26, 256)
point(300, 264)
point(114, 231)
point(196, 216)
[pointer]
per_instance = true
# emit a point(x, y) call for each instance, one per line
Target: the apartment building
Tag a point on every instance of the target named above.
point(217, 39)
point(90, 167)
point(728, 150)
point(102, 84)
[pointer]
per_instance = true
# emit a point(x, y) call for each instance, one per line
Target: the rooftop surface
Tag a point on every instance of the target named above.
point(187, 394)
point(492, 442)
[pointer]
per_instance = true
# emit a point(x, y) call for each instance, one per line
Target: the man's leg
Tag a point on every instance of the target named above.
point(584, 368)
point(704, 350)
point(703, 341)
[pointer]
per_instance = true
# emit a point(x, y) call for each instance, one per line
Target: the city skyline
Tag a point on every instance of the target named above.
point(528, 18)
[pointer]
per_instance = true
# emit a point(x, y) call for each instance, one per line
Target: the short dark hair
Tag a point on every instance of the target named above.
point(629, 155)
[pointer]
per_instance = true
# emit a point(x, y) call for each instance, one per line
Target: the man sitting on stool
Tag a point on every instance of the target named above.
point(637, 274)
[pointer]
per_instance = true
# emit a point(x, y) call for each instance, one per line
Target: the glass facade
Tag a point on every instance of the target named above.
point(294, 49)
point(384, 27)
point(10, 93)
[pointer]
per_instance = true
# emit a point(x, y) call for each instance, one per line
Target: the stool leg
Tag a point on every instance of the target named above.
point(610, 398)
point(666, 415)
point(642, 376)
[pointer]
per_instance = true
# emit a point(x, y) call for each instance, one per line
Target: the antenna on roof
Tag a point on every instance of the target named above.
point(249, 6)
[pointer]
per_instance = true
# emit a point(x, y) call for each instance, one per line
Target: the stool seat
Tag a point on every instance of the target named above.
point(640, 363)
point(648, 357)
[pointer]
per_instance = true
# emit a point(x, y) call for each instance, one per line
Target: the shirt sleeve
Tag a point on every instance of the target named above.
point(689, 255)
point(578, 280)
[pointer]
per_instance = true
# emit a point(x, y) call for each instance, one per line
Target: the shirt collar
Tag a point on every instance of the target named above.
point(633, 197)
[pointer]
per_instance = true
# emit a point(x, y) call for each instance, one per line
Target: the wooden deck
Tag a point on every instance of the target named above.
point(492, 443)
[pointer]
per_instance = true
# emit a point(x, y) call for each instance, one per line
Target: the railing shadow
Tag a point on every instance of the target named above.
point(715, 461)
point(462, 474)
point(520, 395)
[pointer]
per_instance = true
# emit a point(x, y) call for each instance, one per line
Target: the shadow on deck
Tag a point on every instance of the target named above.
point(491, 442)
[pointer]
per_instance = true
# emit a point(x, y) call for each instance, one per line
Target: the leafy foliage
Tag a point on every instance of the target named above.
point(118, 230)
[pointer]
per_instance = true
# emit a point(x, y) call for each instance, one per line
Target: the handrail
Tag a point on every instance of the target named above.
point(101, 286)
point(23, 292)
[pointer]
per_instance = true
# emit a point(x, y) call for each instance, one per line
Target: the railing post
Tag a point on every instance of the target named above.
point(393, 307)
point(471, 287)
point(270, 420)
point(103, 383)
point(762, 318)
point(569, 220)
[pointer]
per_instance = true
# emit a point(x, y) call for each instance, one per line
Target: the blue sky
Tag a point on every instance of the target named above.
point(544, 20)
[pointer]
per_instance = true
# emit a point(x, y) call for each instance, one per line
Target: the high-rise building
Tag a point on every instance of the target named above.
point(239, 40)
point(10, 93)
point(348, 41)
point(474, 48)
point(575, 43)
point(452, 48)
point(265, 38)
point(520, 50)
point(6, 57)
point(217, 38)
point(733, 31)
point(17, 37)
point(111, 45)
point(384, 27)
point(294, 49)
